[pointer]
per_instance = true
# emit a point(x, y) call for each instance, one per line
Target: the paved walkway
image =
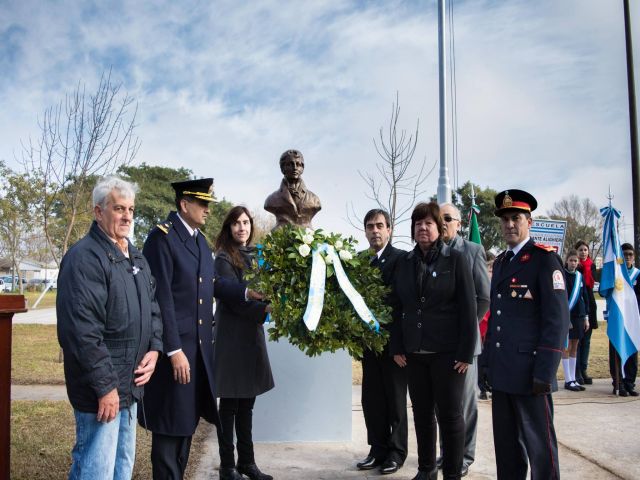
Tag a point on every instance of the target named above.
point(39, 315)
point(588, 426)
point(597, 434)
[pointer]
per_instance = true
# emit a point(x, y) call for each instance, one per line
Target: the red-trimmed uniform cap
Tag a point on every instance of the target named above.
point(200, 189)
point(515, 200)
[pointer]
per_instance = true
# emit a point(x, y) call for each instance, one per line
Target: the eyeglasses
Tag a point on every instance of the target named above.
point(449, 218)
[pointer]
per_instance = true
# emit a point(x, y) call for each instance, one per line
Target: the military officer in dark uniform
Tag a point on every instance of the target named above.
point(182, 389)
point(384, 383)
point(528, 325)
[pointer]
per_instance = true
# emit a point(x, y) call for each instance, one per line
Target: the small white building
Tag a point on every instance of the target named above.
point(30, 269)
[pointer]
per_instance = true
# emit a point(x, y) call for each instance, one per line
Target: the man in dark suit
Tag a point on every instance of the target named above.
point(182, 390)
point(384, 383)
point(527, 328)
point(478, 261)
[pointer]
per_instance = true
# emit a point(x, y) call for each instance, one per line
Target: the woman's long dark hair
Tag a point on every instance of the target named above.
point(225, 241)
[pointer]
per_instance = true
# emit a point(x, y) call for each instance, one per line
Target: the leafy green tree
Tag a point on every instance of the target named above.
point(18, 211)
point(488, 223)
point(156, 199)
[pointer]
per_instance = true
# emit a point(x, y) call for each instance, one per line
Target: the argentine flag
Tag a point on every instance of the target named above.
point(615, 285)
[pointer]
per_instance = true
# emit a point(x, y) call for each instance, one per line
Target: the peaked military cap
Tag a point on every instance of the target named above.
point(515, 200)
point(200, 189)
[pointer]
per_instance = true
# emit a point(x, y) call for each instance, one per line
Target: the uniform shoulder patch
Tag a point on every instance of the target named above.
point(546, 248)
point(164, 227)
point(558, 280)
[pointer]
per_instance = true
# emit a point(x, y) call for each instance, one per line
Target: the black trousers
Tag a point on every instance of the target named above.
point(384, 405)
point(523, 429)
point(433, 381)
point(630, 369)
point(169, 456)
point(582, 357)
point(236, 414)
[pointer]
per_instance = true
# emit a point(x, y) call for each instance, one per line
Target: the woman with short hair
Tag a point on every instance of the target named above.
point(435, 340)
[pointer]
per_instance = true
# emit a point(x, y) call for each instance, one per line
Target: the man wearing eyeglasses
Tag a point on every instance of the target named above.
point(476, 258)
point(626, 385)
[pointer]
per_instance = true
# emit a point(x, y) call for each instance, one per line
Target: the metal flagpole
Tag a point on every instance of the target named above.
point(444, 189)
point(633, 126)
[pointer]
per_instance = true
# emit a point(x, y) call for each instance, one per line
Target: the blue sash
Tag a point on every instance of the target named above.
point(575, 293)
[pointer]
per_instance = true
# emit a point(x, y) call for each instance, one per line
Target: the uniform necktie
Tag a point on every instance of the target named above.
point(509, 255)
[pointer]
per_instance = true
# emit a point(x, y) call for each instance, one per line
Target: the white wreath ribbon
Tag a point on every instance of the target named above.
point(315, 302)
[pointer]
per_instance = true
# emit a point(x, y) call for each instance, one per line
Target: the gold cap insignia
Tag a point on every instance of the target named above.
point(507, 202)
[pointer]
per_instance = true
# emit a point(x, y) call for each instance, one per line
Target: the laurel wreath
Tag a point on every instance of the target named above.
point(282, 273)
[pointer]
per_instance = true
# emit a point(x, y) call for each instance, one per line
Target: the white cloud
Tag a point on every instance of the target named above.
point(224, 88)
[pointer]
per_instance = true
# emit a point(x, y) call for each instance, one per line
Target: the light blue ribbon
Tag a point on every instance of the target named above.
point(315, 302)
point(573, 299)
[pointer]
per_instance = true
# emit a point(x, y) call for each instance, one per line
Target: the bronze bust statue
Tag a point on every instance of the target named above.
point(292, 203)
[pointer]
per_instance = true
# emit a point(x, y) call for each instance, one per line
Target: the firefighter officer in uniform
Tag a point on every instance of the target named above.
point(182, 391)
point(528, 325)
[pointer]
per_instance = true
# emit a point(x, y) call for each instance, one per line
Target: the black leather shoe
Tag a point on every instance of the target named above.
point(230, 474)
point(572, 386)
point(253, 472)
point(368, 463)
point(439, 463)
point(633, 393)
point(621, 393)
point(464, 471)
point(587, 379)
point(389, 466)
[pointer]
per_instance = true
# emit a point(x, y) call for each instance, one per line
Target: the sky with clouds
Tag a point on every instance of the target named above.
point(224, 87)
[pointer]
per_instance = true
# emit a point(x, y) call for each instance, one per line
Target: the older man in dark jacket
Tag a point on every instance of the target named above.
point(477, 260)
point(110, 330)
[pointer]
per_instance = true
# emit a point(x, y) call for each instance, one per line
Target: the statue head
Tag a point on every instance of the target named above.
point(292, 165)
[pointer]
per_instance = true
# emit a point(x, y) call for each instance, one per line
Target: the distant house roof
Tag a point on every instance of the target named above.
point(27, 264)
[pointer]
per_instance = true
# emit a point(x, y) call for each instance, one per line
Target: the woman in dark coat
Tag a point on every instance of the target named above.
point(435, 338)
point(241, 363)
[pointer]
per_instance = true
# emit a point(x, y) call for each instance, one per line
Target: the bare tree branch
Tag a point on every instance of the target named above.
point(395, 186)
point(81, 138)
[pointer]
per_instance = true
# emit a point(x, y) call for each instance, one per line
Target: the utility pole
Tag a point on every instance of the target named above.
point(444, 189)
point(633, 127)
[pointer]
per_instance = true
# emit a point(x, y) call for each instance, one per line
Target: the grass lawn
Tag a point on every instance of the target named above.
point(43, 433)
point(34, 355)
point(48, 301)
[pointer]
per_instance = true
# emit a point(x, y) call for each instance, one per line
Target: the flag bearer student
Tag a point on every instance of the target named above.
point(182, 390)
point(626, 385)
point(579, 314)
point(477, 259)
point(527, 328)
point(384, 383)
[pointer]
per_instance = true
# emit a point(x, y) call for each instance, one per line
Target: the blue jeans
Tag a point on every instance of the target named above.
point(104, 450)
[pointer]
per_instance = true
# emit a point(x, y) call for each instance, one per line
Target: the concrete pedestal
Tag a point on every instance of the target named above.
point(311, 401)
